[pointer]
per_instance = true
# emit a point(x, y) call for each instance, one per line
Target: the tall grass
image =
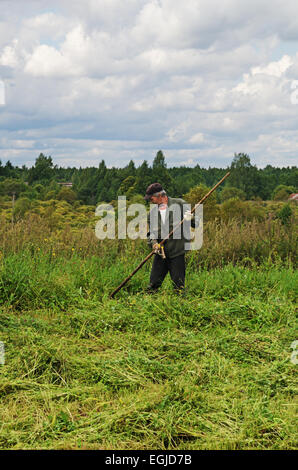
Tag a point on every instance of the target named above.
point(44, 281)
point(224, 242)
point(208, 370)
point(42, 267)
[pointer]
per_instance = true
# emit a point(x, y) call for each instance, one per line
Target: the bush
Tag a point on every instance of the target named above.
point(285, 214)
point(22, 205)
point(50, 195)
point(282, 192)
point(211, 210)
point(241, 210)
point(230, 192)
point(12, 185)
point(67, 194)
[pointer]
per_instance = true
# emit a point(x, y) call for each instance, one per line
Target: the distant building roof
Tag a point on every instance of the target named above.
point(293, 197)
point(69, 184)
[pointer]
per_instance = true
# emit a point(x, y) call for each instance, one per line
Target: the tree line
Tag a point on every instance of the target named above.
point(102, 184)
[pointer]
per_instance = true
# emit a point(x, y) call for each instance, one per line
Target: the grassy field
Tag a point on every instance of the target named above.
point(209, 370)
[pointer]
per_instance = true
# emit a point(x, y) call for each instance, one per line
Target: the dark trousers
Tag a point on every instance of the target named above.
point(160, 268)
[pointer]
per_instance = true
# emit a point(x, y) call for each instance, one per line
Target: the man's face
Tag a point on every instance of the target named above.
point(159, 199)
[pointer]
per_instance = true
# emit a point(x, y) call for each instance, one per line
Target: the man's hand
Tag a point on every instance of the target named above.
point(159, 250)
point(187, 216)
point(156, 248)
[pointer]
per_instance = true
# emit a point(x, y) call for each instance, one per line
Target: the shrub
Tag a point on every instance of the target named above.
point(50, 195)
point(67, 194)
point(285, 214)
point(211, 210)
point(230, 192)
point(234, 208)
point(282, 192)
point(22, 205)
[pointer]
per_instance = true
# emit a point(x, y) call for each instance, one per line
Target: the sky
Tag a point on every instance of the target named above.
point(115, 80)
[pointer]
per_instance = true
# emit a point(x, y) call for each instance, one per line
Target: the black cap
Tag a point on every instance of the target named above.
point(152, 189)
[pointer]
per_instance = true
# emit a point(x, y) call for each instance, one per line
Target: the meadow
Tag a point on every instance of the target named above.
point(211, 369)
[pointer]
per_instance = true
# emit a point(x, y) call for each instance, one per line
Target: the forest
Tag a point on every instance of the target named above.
point(93, 185)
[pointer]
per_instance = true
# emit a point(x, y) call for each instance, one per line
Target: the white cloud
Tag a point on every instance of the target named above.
point(9, 57)
point(277, 69)
point(48, 25)
point(197, 138)
point(179, 132)
point(46, 61)
point(123, 79)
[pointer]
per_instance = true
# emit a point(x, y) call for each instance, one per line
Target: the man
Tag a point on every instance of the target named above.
point(162, 218)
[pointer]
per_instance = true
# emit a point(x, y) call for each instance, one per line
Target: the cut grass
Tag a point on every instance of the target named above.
point(210, 370)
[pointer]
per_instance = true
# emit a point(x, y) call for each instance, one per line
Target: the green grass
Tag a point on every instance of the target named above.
point(209, 370)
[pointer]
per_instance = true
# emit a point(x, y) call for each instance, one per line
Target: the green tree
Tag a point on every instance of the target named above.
point(40, 190)
point(229, 192)
point(12, 186)
point(244, 175)
point(129, 170)
point(102, 169)
point(127, 185)
point(42, 171)
point(160, 173)
point(87, 185)
point(159, 161)
point(67, 194)
point(184, 179)
point(8, 170)
point(143, 177)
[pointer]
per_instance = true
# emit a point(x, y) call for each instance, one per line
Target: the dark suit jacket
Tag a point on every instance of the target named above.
point(177, 244)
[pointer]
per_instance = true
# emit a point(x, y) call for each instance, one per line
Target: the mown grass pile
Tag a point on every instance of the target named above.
point(210, 369)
